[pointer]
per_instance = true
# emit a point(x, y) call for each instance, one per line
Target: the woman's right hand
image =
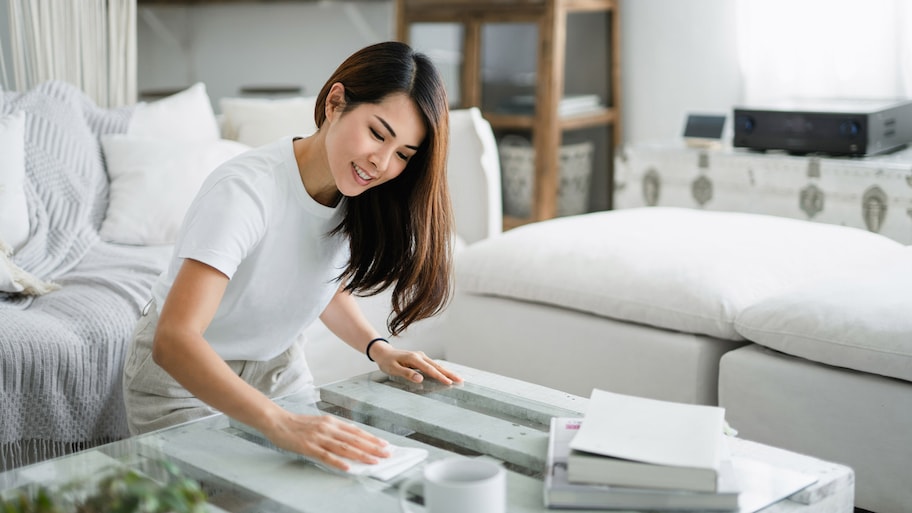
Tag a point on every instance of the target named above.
point(325, 438)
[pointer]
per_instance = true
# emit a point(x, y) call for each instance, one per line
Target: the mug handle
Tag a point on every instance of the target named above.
point(403, 493)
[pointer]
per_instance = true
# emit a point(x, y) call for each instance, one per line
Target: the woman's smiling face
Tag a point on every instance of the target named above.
point(372, 143)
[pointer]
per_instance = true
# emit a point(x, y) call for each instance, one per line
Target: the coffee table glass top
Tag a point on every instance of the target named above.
point(488, 416)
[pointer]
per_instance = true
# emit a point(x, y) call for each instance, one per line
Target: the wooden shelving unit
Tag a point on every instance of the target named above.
point(546, 126)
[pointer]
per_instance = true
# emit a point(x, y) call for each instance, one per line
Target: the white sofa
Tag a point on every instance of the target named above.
point(801, 330)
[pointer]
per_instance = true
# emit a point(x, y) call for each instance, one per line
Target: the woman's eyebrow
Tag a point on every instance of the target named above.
point(393, 132)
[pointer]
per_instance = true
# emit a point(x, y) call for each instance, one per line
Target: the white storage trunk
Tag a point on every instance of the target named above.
point(873, 193)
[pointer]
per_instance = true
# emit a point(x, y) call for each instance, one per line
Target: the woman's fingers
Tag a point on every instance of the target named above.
point(329, 440)
point(361, 442)
point(415, 365)
point(440, 372)
point(334, 450)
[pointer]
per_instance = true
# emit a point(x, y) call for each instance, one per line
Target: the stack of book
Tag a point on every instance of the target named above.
point(569, 105)
point(635, 453)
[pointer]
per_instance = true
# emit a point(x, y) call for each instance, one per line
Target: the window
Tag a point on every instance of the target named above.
point(825, 49)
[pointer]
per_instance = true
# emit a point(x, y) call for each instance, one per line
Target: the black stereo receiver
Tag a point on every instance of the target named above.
point(836, 127)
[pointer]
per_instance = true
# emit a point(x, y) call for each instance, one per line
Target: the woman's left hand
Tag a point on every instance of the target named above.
point(411, 365)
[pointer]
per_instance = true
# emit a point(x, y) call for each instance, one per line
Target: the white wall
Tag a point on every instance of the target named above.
point(677, 57)
point(232, 45)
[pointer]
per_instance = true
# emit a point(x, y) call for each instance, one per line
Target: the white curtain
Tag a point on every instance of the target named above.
point(825, 49)
point(89, 43)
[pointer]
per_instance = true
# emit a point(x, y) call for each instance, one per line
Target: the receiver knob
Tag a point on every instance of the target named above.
point(746, 123)
point(849, 128)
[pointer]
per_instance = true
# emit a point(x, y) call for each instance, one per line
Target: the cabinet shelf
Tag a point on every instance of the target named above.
point(510, 222)
point(596, 117)
point(541, 52)
point(436, 9)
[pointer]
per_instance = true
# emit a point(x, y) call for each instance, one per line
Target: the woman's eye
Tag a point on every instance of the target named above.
point(403, 156)
point(376, 134)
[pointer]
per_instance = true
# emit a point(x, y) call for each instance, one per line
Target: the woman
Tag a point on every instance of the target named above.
point(288, 232)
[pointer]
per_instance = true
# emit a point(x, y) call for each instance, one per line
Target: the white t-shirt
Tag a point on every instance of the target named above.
point(254, 221)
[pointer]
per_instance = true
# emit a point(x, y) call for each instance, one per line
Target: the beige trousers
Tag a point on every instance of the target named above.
point(154, 400)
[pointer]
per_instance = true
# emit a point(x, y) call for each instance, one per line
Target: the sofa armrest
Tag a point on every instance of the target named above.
point(473, 170)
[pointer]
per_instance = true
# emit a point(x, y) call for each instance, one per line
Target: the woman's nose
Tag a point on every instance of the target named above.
point(381, 159)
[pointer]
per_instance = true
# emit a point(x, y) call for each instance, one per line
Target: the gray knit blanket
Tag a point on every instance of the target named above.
point(61, 354)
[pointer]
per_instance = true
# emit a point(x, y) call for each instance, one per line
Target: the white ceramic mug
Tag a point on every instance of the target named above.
point(459, 485)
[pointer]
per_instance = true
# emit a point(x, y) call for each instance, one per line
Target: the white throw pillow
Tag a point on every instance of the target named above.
point(153, 182)
point(258, 121)
point(681, 269)
point(14, 221)
point(184, 116)
point(860, 319)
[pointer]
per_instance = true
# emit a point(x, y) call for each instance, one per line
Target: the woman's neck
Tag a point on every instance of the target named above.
point(313, 167)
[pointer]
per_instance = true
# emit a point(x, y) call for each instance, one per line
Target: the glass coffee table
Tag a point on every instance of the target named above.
point(488, 416)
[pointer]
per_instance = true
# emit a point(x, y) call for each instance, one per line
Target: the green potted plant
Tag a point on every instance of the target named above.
point(122, 490)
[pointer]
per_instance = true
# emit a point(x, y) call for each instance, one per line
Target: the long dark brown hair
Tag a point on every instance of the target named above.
point(400, 232)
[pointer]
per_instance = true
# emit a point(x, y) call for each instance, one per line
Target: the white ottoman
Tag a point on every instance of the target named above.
point(640, 301)
point(830, 374)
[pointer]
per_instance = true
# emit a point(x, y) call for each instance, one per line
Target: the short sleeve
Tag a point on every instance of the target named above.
point(226, 221)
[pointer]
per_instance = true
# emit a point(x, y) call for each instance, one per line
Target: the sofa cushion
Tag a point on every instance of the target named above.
point(14, 222)
point(257, 121)
point(681, 269)
point(184, 116)
point(860, 320)
point(153, 182)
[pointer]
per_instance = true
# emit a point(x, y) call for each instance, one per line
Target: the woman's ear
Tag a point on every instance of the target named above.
point(335, 100)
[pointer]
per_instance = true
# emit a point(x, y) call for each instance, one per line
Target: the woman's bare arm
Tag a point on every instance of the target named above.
point(180, 348)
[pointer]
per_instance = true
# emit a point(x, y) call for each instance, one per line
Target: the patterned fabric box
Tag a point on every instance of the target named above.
point(873, 193)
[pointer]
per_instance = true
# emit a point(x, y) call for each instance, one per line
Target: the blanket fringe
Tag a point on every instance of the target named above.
point(25, 452)
point(23, 282)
